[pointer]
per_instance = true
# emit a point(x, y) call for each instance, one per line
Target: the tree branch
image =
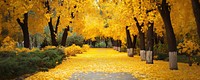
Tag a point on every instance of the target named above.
point(57, 23)
point(19, 22)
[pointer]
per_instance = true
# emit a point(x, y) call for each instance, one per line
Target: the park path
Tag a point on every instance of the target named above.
point(108, 64)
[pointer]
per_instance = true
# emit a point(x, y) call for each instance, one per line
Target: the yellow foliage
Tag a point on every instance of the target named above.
point(73, 50)
point(25, 50)
point(8, 44)
point(189, 47)
point(85, 47)
point(49, 47)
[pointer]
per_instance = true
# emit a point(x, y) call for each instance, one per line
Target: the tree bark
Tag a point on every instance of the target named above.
point(112, 41)
point(53, 34)
point(64, 37)
point(189, 60)
point(57, 23)
point(24, 27)
point(150, 44)
point(156, 41)
point(119, 43)
point(114, 44)
point(196, 11)
point(156, 38)
point(106, 42)
point(129, 43)
point(94, 43)
point(142, 40)
point(36, 42)
point(51, 27)
point(134, 44)
point(165, 13)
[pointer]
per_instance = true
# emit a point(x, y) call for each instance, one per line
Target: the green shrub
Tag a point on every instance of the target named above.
point(162, 56)
point(75, 39)
point(13, 65)
point(123, 48)
point(5, 54)
point(101, 44)
point(53, 57)
point(160, 48)
point(184, 59)
point(197, 59)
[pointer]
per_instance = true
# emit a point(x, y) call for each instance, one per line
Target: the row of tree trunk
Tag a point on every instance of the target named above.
point(116, 44)
point(53, 32)
point(147, 54)
point(164, 10)
point(131, 45)
point(196, 11)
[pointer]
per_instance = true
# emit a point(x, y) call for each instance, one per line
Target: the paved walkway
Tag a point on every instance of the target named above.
point(102, 76)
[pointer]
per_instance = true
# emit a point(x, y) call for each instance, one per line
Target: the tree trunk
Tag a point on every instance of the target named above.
point(112, 41)
point(24, 27)
point(150, 44)
point(93, 43)
point(119, 43)
point(189, 60)
point(57, 23)
point(142, 40)
point(161, 39)
point(64, 37)
point(53, 34)
point(106, 42)
point(134, 44)
point(165, 13)
point(156, 43)
point(114, 44)
point(196, 11)
point(129, 43)
point(142, 47)
point(156, 38)
point(36, 42)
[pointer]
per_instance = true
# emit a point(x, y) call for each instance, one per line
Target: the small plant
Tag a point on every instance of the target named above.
point(49, 47)
point(85, 47)
point(8, 44)
point(73, 50)
point(100, 44)
point(75, 39)
point(189, 48)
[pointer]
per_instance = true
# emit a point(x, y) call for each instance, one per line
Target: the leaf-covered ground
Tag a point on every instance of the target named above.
point(110, 61)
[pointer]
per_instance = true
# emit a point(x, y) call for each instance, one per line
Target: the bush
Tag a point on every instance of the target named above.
point(100, 44)
point(8, 44)
point(184, 59)
point(123, 48)
point(75, 39)
point(85, 47)
point(188, 47)
point(162, 56)
point(73, 50)
point(49, 47)
point(52, 57)
point(160, 48)
point(6, 54)
point(14, 65)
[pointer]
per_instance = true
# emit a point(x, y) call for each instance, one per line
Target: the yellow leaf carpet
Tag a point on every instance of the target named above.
point(111, 61)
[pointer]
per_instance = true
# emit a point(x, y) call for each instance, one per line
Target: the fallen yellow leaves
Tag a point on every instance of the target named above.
point(110, 61)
